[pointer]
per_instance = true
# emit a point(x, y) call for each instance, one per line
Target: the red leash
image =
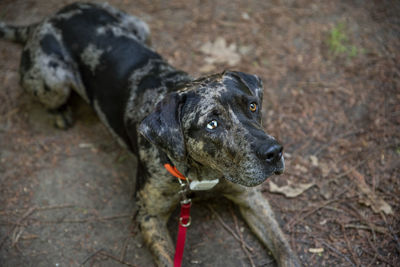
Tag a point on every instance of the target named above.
point(184, 218)
point(184, 222)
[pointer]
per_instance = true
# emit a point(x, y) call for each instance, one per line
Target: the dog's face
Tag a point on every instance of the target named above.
point(216, 122)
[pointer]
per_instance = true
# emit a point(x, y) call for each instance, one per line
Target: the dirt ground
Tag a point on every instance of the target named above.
point(331, 72)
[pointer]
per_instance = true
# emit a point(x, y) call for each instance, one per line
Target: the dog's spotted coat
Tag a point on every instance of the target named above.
point(208, 128)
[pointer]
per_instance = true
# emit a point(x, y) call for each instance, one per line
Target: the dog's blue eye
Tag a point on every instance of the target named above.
point(212, 125)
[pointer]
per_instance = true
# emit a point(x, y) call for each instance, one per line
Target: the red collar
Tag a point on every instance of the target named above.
point(174, 171)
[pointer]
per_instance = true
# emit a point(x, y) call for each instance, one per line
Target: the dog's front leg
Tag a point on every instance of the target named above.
point(157, 239)
point(257, 212)
point(154, 210)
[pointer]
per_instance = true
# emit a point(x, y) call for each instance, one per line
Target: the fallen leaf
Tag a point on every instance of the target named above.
point(377, 204)
point(325, 189)
point(368, 197)
point(207, 68)
point(290, 190)
point(301, 168)
point(220, 52)
point(245, 16)
point(325, 168)
point(245, 49)
point(314, 160)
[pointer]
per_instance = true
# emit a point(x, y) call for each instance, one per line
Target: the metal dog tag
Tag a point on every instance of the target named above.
point(203, 185)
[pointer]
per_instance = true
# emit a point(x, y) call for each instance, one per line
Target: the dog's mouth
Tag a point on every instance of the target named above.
point(279, 171)
point(254, 180)
point(281, 167)
point(251, 182)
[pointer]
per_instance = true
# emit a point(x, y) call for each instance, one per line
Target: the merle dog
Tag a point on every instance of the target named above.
point(209, 128)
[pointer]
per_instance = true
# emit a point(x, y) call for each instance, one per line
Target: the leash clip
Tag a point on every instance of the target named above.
point(185, 219)
point(185, 188)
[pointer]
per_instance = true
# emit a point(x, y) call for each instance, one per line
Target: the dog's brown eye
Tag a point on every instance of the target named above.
point(212, 125)
point(253, 107)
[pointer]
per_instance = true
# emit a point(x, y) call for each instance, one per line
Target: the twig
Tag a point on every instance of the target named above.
point(365, 227)
point(9, 114)
point(124, 246)
point(16, 235)
point(348, 171)
point(11, 223)
point(294, 221)
point(227, 227)
point(373, 259)
point(337, 252)
point(116, 259)
point(395, 237)
point(334, 140)
point(361, 217)
point(377, 254)
point(240, 235)
point(63, 206)
point(26, 214)
point(241, 238)
point(91, 256)
point(89, 219)
point(393, 234)
point(355, 259)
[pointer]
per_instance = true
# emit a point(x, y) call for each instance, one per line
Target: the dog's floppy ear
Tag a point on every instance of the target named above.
point(162, 127)
point(253, 82)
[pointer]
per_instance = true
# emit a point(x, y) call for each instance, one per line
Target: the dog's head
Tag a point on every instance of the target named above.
point(216, 123)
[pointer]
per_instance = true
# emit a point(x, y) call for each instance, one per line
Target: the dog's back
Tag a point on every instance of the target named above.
point(107, 52)
point(99, 52)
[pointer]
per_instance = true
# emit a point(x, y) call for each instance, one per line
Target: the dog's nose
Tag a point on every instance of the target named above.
point(271, 153)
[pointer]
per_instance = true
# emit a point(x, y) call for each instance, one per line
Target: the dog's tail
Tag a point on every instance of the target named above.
point(16, 34)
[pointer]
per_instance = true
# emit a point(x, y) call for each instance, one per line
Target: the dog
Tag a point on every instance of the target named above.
point(208, 128)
